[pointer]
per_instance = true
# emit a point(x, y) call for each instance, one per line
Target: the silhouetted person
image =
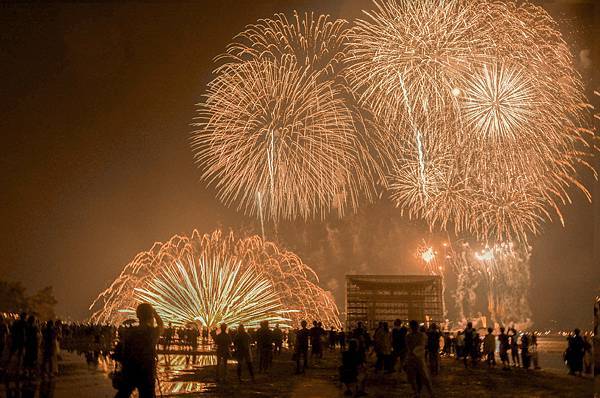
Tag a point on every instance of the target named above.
point(332, 339)
point(504, 341)
point(575, 353)
point(168, 337)
point(415, 366)
point(302, 337)
point(17, 340)
point(264, 342)
point(399, 343)
point(471, 344)
point(32, 346)
point(241, 343)
point(137, 353)
point(514, 347)
point(533, 351)
point(49, 349)
point(342, 339)
point(352, 362)
point(223, 343)
point(489, 347)
point(383, 347)
point(525, 356)
point(277, 339)
point(433, 349)
point(316, 345)
point(3, 336)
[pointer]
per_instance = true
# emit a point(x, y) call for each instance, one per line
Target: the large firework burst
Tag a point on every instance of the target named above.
point(279, 135)
point(483, 103)
point(213, 278)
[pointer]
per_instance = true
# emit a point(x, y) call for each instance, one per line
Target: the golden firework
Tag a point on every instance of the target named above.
point(213, 278)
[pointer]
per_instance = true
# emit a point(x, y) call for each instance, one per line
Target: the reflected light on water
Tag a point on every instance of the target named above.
point(175, 372)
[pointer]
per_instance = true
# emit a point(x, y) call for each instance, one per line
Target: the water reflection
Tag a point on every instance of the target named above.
point(177, 373)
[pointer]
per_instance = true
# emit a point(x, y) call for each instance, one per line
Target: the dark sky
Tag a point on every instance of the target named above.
point(97, 101)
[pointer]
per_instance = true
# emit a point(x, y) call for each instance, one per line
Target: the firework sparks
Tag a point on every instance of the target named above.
point(209, 279)
point(276, 123)
point(485, 91)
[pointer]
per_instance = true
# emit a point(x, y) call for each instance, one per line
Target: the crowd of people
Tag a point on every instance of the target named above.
point(30, 349)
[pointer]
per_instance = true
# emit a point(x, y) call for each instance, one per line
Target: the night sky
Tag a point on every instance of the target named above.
point(96, 113)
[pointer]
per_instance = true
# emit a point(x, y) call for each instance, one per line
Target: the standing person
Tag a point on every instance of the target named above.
point(383, 347)
point(168, 338)
point(316, 345)
point(471, 345)
point(489, 347)
point(277, 339)
point(415, 366)
point(399, 343)
point(241, 343)
point(504, 341)
point(137, 354)
point(32, 346)
point(433, 349)
point(3, 336)
point(460, 345)
point(533, 349)
point(332, 339)
point(525, 356)
point(264, 342)
point(302, 337)
point(49, 349)
point(352, 363)
point(514, 347)
point(342, 339)
point(17, 340)
point(575, 353)
point(223, 342)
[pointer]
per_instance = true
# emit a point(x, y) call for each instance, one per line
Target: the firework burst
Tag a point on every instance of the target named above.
point(214, 278)
point(279, 134)
point(483, 103)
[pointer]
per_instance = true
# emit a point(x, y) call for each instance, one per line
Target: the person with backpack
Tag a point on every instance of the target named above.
point(136, 351)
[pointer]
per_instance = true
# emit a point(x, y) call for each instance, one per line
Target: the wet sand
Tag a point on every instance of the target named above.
point(180, 376)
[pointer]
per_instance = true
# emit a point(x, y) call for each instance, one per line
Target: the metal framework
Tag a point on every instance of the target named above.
point(375, 298)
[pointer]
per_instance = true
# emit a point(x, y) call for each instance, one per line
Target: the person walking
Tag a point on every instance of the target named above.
point(241, 343)
point(415, 366)
point(136, 352)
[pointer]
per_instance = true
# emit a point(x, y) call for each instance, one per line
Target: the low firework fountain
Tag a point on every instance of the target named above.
point(502, 271)
point(213, 278)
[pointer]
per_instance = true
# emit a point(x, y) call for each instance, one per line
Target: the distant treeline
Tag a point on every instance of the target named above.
point(13, 299)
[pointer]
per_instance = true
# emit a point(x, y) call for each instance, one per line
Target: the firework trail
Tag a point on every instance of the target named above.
point(279, 133)
point(482, 103)
point(213, 278)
